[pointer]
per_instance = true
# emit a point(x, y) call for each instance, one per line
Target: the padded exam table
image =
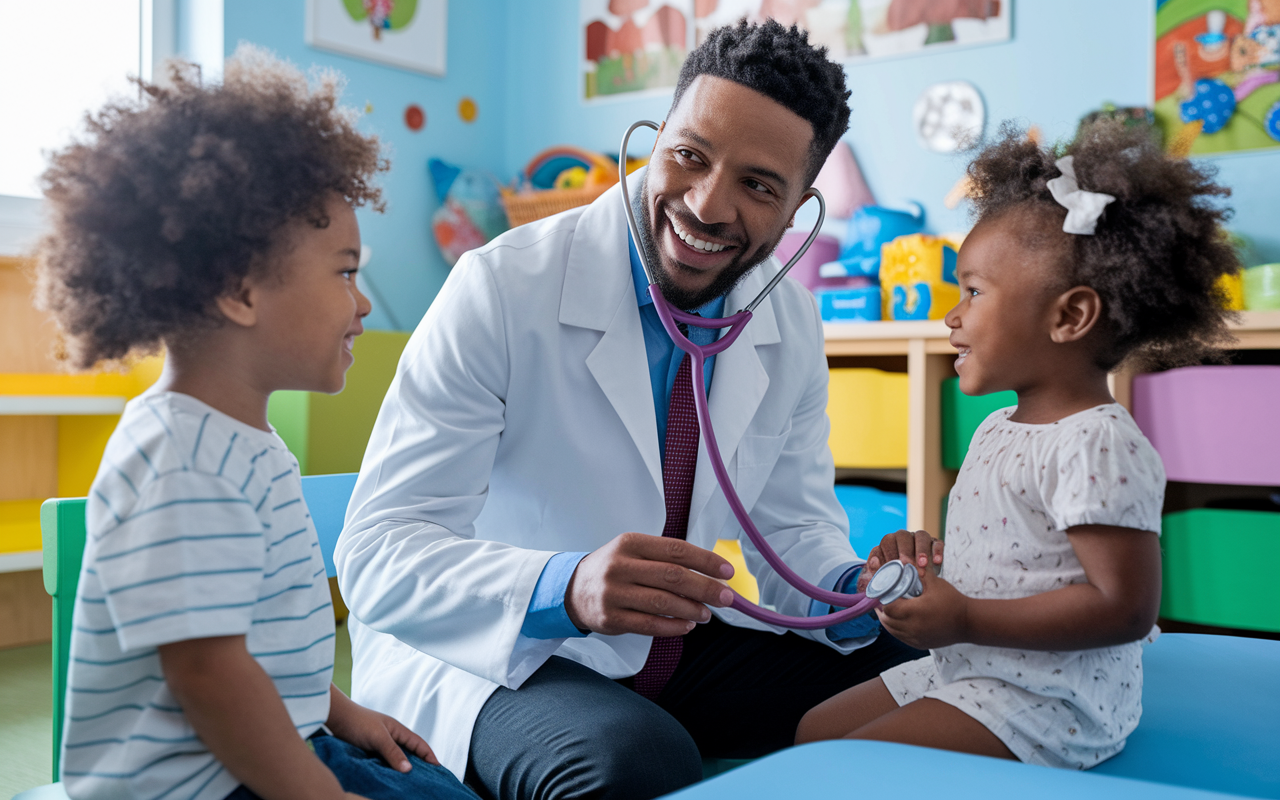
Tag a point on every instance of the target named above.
point(1210, 728)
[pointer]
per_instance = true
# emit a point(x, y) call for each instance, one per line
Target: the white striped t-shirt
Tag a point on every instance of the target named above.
point(197, 528)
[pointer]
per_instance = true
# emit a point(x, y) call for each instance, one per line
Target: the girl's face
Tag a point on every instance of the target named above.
point(311, 313)
point(1001, 325)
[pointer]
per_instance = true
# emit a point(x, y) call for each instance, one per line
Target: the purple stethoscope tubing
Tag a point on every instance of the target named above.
point(854, 605)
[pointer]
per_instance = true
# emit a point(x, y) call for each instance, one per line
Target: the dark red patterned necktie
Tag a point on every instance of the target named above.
point(678, 465)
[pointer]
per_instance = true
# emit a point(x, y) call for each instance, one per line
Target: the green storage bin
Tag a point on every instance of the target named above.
point(1209, 579)
point(961, 416)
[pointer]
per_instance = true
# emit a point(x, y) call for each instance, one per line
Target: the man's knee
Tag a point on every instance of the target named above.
point(641, 755)
point(570, 732)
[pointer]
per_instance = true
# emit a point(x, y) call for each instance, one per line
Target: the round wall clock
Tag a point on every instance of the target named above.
point(949, 117)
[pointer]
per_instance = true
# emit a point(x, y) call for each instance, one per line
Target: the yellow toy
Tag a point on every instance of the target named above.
point(918, 277)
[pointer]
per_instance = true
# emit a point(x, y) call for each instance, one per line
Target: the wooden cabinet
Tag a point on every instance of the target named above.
point(922, 351)
point(53, 429)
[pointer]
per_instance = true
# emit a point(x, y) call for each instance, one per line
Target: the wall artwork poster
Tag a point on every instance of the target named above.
point(633, 46)
point(852, 30)
point(1217, 73)
point(409, 34)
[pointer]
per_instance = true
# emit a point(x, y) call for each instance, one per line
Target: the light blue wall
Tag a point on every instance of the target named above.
point(406, 266)
point(1064, 60)
point(519, 59)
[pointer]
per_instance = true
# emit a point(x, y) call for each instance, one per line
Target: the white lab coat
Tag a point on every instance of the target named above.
point(520, 424)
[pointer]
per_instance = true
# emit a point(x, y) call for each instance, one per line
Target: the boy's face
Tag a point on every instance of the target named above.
point(311, 311)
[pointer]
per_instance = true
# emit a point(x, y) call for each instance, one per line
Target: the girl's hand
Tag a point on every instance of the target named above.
point(937, 618)
point(375, 733)
point(911, 547)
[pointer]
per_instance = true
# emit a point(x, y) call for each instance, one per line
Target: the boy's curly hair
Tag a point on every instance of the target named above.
point(169, 201)
point(781, 64)
point(1159, 248)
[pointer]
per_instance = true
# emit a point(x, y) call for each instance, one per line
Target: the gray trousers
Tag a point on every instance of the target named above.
point(570, 732)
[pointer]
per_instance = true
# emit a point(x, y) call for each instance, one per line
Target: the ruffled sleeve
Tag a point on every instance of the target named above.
point(1105, 472)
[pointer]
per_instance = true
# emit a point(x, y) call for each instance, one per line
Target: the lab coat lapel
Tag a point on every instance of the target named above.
point(599, 294)
point(738, 385)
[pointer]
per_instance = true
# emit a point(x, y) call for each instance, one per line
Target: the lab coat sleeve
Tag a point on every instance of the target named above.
point(408, 562)
point(797, 510)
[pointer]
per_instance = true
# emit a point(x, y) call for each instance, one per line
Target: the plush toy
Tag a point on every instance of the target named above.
point(869, 229)
point(470, 212)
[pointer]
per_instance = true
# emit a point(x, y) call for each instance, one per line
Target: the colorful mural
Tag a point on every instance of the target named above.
point(633, 45)
point(1217, 73)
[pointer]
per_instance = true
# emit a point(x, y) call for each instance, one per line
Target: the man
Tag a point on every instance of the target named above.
point(501, 555)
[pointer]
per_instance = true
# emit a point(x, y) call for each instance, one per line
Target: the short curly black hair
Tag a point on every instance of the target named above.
point(779, 63)
point(170, 200)
point(1159, 248)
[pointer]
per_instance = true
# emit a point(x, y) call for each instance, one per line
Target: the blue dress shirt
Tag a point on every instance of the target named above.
point(546, 617)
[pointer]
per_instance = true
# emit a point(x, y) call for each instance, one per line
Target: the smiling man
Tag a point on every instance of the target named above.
point(527, 555)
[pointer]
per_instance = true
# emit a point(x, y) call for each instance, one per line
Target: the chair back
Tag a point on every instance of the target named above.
point(63, 532)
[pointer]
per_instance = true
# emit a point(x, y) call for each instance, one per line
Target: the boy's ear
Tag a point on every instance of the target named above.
point(240, 306)
point(1075, 313)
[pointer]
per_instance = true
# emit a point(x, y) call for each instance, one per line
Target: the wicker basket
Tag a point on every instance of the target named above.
point(522, 208)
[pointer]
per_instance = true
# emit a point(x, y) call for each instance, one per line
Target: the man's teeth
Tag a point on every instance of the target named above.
point(695, 242)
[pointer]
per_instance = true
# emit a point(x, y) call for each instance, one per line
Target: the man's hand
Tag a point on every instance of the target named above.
point(374, 732)
point(647, 584)
point(937, 618)
point(908, 546)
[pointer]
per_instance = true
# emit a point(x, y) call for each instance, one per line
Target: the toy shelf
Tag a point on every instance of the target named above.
point(929, 360)
point(35, 405)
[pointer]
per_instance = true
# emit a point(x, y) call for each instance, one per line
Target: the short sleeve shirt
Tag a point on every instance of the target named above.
point(1020, 488)
point(196, 528)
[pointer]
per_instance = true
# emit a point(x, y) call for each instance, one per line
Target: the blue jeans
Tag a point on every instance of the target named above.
point(368, 775)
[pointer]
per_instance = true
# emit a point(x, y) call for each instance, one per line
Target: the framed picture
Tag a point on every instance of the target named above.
point(853, 30)
point(1217, 74)
point(409, 34)
point(633, 47)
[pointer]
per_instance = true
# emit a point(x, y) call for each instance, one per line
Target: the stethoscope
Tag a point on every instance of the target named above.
point(890, 582)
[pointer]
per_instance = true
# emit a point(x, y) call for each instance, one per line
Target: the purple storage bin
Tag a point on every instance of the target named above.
point(1213, 424)
point(825, 248)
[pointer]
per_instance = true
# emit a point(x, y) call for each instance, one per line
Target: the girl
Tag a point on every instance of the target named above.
point(1052, 575)
point(218, 221)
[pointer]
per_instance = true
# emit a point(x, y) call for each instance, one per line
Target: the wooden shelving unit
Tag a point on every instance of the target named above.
point(923, 351)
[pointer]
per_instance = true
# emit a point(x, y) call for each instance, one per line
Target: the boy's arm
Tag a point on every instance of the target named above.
point(375, 732)
point(238, 714)
point(1118, 603)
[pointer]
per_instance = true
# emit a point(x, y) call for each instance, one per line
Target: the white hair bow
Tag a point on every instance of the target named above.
point(1083, 208)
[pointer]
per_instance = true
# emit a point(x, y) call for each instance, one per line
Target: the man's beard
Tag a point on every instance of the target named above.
point(723, 283)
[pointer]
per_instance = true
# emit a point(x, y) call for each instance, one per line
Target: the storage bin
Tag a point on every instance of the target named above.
point(961, 416)
point(850, 305)
point(873, 514)
point(1261, 286)
point(1210, 579)
point(1213, 424)
point(868, 412)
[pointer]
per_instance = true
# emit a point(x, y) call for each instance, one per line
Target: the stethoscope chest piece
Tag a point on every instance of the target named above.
point(893, 581)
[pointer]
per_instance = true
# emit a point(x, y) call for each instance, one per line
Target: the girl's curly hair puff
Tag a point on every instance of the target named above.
point(1159, 248)
point(170, 200)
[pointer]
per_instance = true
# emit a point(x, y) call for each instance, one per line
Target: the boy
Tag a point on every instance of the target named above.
point(218, 222)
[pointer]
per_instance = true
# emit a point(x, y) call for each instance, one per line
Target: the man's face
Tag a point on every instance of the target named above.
point(726, 177)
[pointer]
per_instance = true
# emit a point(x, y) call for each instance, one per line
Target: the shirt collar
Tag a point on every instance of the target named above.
point(712, 309)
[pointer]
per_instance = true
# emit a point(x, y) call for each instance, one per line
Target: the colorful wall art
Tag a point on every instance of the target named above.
point(1217, 72)
point(633, 46)
point(856, 29)
point(409, 34)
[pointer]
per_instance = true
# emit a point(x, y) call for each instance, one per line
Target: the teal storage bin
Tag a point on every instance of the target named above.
point(961, 416)
point(1209, 580)
point(873, 514)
